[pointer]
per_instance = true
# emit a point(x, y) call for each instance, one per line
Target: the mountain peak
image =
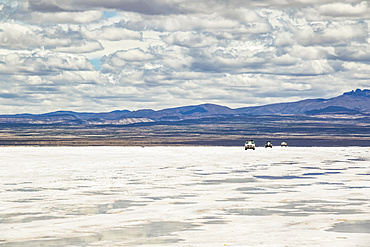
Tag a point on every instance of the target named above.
point(358, 92)
point(356, 102)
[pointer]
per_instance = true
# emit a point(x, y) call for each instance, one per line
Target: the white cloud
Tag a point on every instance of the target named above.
point(77, 78)
point(133, 55)
point(284, 39)
point(111, 33)
point(340, 9)
point(311, 52)
point(176, 58)
point(81, 47)
point(356, 70)
point(164, 53)
point(41, 62)
point(354, 52)
point(17, 36)
point(189, 39)
point(25, 37)
point(327, 33)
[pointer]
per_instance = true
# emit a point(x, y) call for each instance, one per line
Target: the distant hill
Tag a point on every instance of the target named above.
point(350, 103)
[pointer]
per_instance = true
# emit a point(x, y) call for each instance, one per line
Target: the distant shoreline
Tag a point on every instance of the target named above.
point(294, 142)
point(297, 131)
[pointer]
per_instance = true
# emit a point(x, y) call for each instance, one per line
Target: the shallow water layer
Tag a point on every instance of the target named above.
point(184, 196)
point(150, 233)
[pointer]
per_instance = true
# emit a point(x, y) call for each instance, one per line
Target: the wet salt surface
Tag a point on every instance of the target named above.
point(184, 196)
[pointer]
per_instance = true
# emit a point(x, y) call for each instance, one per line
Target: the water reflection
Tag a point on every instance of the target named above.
point(105, 208)
point(151, 233)
point(282, 177)
point(359, 226)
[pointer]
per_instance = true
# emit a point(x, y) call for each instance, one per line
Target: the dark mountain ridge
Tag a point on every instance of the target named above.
point(349, 103)
point(358, 100)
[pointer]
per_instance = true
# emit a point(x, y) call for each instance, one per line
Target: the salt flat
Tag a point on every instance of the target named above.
point(184, 196)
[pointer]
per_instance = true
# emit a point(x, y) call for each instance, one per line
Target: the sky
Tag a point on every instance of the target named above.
point(98, 56)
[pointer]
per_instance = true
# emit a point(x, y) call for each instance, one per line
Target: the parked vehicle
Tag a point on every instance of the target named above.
point(249, 144)
point(283, 144)
point(268, 144)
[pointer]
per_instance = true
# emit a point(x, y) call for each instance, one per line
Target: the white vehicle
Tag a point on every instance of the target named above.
point(268, 144)
point(249, 144)
point(283, 144)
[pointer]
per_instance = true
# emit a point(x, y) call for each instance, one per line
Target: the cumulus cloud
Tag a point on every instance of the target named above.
point(17, 36)
point(133, 55)
point(333, 34)
point(80, 47)
point(190, 39)
point(339, 9)
point(284, 39)
point(111, 33)
point(25, 37)
point(354, 52)
point(134, 59)
point(41, 62)
point(166, 53)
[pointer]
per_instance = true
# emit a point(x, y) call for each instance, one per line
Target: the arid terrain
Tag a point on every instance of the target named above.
point(330, 130)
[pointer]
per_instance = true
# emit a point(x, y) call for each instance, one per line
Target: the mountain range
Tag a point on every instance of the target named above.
point(356, 102)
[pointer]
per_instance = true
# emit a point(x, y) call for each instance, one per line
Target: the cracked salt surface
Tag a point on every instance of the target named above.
point(184, 196)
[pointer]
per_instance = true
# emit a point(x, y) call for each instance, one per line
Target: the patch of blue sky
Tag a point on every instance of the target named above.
point(96, 62)
point(9, 3)
point(110, 14)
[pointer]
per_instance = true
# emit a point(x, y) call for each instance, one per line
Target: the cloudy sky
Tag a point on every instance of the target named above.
point(132, 54)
